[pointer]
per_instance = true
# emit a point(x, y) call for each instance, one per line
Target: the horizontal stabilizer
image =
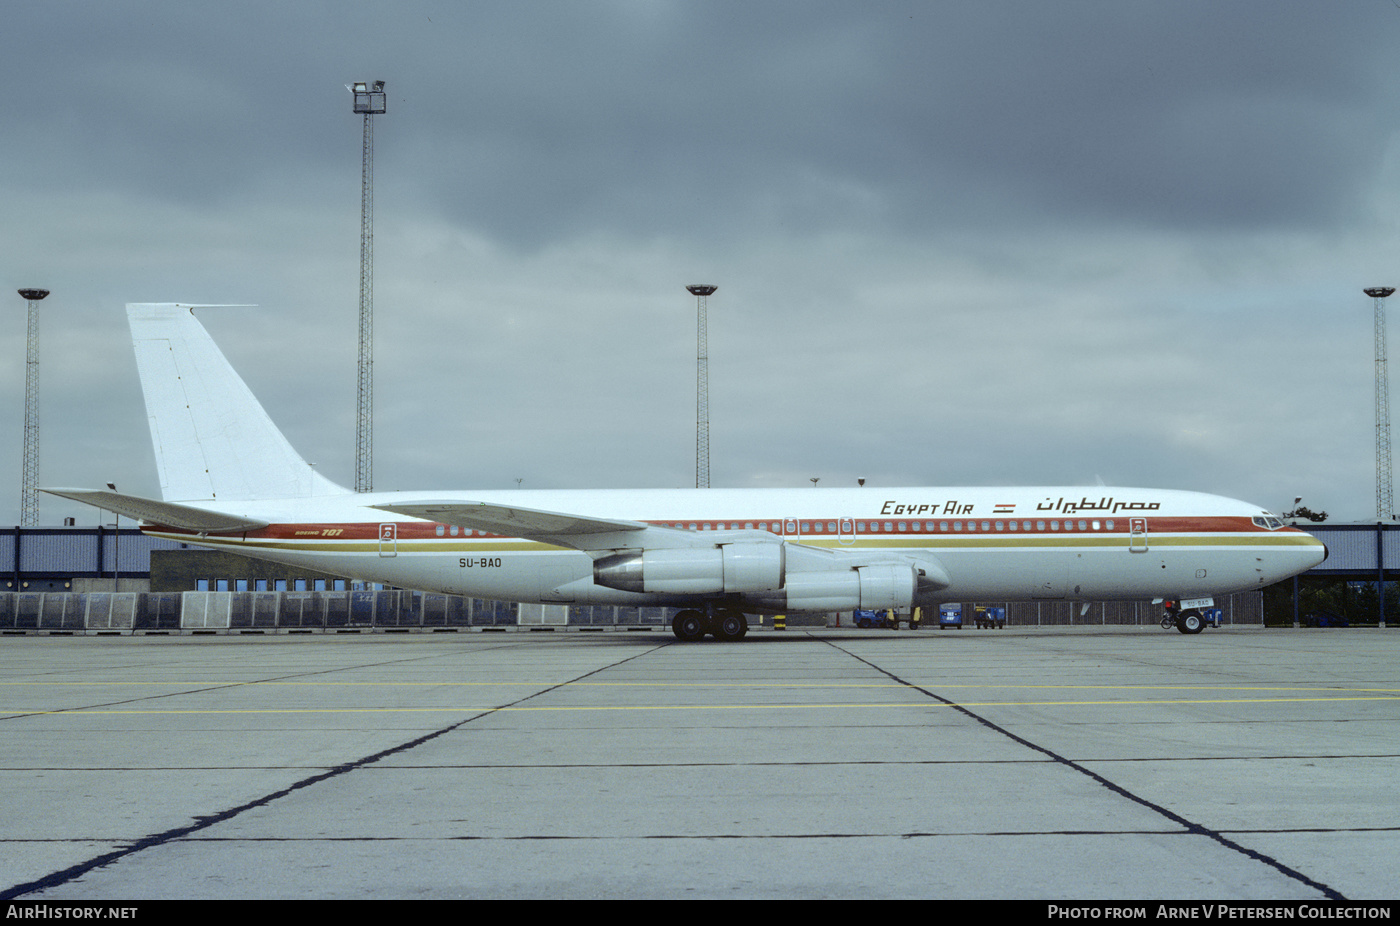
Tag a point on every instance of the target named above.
point(169, 514)
point(510, 521)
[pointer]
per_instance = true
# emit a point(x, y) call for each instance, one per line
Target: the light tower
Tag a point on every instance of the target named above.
point(1385, 506)
point(29, 480)
point(702, 292)
point(369, 100)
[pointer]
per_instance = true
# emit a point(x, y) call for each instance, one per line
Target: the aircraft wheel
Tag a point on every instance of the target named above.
point(689, 626)
point(730, 625)
point(1191, 622)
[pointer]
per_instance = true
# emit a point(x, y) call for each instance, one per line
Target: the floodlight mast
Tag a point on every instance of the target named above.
point(29, 479)
point(1385, 499)
point(370, 100)
point(702, 292)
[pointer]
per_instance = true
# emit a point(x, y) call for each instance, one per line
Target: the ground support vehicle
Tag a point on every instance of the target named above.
point(883, 618)
point(989, 618)
point(1190, 615)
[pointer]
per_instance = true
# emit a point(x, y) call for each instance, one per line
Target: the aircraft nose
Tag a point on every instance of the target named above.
point(1317, 550)
point(1316, 553)
point(1304, 553)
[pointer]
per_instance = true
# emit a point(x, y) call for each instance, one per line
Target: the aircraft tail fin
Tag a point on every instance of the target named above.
point(212, 438)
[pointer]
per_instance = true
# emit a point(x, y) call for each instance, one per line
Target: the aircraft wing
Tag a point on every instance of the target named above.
point(580, 532)
point(600, 537)
point(169, 514)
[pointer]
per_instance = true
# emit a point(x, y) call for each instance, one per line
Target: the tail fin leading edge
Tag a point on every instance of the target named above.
point(212, 438)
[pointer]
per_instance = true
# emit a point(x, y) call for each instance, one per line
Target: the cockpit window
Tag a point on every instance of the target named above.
point(1267, 521)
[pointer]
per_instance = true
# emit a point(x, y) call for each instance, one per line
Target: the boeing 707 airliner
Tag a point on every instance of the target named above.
point(231, 481)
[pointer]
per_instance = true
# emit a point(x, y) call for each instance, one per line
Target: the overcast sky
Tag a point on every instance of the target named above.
point(956, 243)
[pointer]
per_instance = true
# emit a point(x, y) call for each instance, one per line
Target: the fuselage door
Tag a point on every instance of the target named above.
point(1137, 535)
point(846, 531)
point(388, 539)
point(792, 529)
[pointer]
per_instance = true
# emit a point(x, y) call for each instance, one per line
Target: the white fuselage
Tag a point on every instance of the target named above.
point(1002, 544)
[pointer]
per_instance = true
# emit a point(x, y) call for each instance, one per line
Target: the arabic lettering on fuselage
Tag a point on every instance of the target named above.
point(1060, 506)
point(1108, 505)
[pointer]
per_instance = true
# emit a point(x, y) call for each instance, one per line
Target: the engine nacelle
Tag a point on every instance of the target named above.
point(887, 586)
point(732, 567)
point(869, 588)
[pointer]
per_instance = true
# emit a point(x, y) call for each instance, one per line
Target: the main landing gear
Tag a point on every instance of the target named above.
point(724, 624)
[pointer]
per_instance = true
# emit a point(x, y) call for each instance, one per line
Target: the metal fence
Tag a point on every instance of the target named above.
point(1239, 608)
point(294, 611)
point(329, 611)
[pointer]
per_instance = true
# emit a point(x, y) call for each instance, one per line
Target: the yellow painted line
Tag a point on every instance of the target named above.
point(536, 683)
point(663, 707)
point(938, 687)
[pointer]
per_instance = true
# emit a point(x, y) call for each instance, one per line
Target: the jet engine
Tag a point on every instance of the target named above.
point(731, 567)
point(883, 585)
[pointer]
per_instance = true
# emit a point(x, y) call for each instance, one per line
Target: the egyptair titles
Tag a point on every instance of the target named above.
point(1109, 505)
point(1105, 505)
